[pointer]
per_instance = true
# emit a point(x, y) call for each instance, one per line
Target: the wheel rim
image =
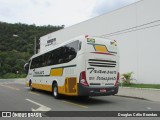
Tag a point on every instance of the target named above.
point(55, 91)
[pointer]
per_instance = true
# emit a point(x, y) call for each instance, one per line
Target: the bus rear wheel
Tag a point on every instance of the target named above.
point(55, 91)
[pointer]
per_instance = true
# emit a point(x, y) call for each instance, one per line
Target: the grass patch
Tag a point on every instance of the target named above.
point(155, 86)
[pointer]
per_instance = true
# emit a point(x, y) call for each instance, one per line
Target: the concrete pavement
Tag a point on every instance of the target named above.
point(142, 93)
point(17, 97)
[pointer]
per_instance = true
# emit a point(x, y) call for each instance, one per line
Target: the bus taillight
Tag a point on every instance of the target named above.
point(86, 36)
point(82, 79)
point(117, 81)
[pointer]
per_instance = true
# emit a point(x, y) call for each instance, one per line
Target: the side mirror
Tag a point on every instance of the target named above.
point(26, 67)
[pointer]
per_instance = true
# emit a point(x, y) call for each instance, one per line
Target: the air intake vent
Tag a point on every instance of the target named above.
point(101, 63)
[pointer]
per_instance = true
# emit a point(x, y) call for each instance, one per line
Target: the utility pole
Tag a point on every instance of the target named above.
point(35, 45)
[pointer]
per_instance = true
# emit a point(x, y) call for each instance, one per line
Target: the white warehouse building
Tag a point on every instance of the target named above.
point(136, 28)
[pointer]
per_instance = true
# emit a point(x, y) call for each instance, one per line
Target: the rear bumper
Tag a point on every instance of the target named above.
point(95, 91)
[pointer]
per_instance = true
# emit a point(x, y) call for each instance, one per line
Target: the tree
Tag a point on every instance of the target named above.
point(14, 48)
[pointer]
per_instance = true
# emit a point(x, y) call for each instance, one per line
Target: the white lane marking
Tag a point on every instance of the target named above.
point(41, 108)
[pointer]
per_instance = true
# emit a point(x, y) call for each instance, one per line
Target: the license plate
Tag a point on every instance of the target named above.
point(103, 90)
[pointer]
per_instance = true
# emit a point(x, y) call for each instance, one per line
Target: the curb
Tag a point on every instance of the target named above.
point(147, 91)
point(133, 97)
point(139, 88)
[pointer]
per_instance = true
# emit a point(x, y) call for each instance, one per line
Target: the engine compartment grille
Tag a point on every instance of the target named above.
point(101, 63)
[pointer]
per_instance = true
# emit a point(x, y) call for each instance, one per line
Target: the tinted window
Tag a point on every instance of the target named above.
point(60, 55)
point(70, 51)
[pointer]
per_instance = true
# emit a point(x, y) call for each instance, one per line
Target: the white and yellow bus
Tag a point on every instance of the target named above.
point(83, 66)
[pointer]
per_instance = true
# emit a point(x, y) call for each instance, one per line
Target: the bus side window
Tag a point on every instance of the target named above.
point(45, 60)
point(72, 49)
point(40, 61)
point(48, 59)
point(32, 64)
point(60, 55)
point(60, 61)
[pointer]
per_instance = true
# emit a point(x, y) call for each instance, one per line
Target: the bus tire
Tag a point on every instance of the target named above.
point(55, 91)
point(30, 86)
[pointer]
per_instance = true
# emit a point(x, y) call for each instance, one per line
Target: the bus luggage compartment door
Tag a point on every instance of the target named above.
point(71, 85)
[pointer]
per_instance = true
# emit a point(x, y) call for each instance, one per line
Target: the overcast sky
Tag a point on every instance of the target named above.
point(56, 12)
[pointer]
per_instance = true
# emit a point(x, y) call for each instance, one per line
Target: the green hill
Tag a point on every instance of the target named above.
point(17, 46)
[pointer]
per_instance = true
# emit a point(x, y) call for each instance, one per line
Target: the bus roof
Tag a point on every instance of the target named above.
point(71, 40)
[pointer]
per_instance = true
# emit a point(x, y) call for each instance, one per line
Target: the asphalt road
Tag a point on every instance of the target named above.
point(14, 96)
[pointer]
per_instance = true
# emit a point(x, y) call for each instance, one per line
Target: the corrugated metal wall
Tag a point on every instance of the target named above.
point(137, 30)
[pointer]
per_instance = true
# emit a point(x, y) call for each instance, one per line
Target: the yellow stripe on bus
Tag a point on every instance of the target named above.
point(42, 87)
point(100, 48)
point(56, 72)
point(69, 88)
